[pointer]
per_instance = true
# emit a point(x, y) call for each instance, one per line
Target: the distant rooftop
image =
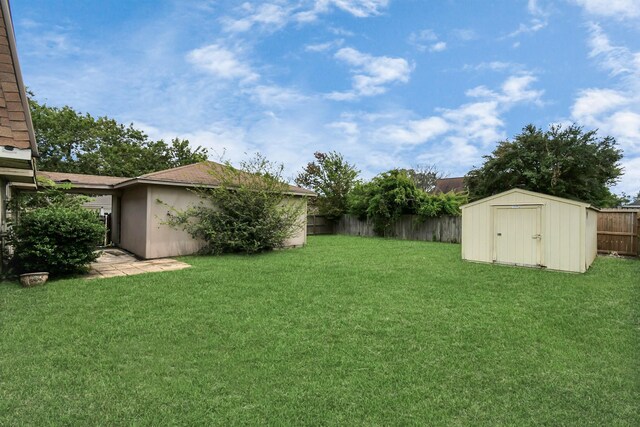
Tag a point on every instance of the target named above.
point(445, 185)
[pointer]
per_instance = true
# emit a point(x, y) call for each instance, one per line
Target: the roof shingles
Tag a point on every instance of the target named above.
point(197, 174)
point(13, 120)
point(82, 179)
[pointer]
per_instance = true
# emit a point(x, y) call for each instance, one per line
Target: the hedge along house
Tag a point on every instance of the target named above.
point(138, 218)
point(520, 227)
point(18, 148)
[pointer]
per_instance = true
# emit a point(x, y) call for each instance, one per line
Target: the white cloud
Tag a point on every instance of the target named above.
point(631, 179)
point(221, 62)
point(532, 26)
point(539, 20)
point(438, 47)
point(48, 40)
point(515, 89)
point(615, 59)
point(455, 136)
point(267, 15)
point(617, 9)
point(497, 66)
point(465, 34)
point(426, 39)
point(372, 74)
point(274, 15)
point(614, 111)
point(275, 96)
point(323, 47)
point(357, 8)
point(594, 102)
point(414, 132)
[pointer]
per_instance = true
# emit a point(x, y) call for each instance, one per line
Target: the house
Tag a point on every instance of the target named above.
point(633, 205)
point(445, 185)
point(138, 216)
point(520, 227)
point(18, 148)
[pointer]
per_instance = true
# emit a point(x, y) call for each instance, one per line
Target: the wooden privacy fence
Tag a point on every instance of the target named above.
point(618, 231)
point(408, 227)
point(318, 224)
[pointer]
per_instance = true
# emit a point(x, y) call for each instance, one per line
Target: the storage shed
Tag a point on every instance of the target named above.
point(521, 227)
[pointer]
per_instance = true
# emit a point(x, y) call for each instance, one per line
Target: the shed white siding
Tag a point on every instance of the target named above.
point(565, 235)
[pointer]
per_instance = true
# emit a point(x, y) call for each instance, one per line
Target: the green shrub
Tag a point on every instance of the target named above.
point(392, 194)
point(434, 205)
point(58, 239)
point(385, 198)
point(251, 211)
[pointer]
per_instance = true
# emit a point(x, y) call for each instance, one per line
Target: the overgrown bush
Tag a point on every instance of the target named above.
point(251, 211)
point(434, 205)
point(57, 239)
point(388, 196)
point(385, 198)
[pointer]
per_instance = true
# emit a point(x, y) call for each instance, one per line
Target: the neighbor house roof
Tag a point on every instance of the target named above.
point(16, 127)
point(197, 174)
point(444, 185)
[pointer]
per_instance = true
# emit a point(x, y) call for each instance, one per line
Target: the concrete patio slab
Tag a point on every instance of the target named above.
point(116, 262)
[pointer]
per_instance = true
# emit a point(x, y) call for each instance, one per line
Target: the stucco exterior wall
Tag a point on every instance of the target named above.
point(300, 236)
point(165, 241)
point(565, 244)
point(134, 220)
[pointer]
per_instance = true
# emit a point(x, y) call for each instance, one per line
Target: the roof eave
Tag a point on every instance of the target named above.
point(6, 12)
point(533, 193)
point(136, 181)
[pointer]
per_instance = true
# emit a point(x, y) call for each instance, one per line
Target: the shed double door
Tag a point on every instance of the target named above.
point(517, 238)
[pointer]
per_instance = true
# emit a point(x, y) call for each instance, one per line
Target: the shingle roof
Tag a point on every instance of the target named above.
point(190, 175)
point(16, 128)
point(198, 174)
point(79, 179)
point(444, 185)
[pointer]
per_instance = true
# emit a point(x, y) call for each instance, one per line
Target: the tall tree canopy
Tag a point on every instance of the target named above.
point(425, 176)
point(332, 178)
point(562, 161)
point(70, 141)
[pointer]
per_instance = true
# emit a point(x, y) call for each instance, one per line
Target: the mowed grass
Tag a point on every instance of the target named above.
point(346, 331)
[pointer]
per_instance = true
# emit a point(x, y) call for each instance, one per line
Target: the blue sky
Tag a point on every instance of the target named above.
point(388, 83)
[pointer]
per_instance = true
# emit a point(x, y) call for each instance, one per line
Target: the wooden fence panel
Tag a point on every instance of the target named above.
point(318, 224)
point(618, 231)
point(409, 227)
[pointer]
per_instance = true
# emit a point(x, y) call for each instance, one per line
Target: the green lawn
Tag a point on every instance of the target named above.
point(345, 331)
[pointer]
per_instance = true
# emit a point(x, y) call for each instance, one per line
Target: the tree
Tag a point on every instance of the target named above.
point(332, 178)
point(425, 176)
point(251, 211)
point(385, 198)
point(69, 141)
point(391, 194)
point(562, 161)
